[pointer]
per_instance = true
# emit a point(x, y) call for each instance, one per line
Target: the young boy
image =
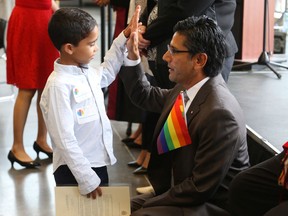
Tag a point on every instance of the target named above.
point(73, 104)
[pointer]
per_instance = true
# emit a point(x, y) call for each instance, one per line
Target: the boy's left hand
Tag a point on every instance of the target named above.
point(102, 3)
point(95, 193)
point(133, 23)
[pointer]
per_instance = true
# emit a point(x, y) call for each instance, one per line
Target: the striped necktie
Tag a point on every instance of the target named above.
point(186, 98)
point(174, 133)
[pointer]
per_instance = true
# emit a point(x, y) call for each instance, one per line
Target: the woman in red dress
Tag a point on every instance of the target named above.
point(30, 57)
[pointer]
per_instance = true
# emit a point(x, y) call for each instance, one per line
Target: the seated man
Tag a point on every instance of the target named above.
point(196, 153)
point(262, 189)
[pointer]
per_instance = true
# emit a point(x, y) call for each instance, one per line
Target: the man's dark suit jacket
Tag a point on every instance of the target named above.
point(160, 31)
point(200, 172)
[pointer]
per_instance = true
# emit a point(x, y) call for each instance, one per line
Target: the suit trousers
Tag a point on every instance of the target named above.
point(255, 191)
point(207, 209)
point(279, 210)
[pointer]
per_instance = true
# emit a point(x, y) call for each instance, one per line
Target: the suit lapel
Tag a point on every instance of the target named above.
point(193, 109)
point(201, 97)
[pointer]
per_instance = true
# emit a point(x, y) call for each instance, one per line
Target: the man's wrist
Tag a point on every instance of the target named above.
point(133, 56)
point(132, 61)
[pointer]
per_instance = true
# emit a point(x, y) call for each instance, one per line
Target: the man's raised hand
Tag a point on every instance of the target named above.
point(132, 42)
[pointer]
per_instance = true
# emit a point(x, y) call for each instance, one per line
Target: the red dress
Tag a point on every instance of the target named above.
point(30, 52)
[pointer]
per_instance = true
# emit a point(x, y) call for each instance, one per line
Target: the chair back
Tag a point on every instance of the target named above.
point(259, 149)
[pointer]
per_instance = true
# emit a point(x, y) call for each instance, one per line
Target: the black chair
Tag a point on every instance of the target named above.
point(259, 149)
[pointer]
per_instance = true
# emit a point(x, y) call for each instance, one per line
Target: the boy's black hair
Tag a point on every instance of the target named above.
point(70, 25)
point(203, 35)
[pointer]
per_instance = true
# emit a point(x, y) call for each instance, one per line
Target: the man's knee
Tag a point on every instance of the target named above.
point(138, 201)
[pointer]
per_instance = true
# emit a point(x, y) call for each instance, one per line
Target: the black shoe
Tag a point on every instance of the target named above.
point(133, 164)
point(140, 170)
point(133, 145)
point(31, 164)
point(127, 140)
point(38, 149)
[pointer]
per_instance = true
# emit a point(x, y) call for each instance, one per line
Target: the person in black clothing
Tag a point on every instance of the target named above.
point(260, 190)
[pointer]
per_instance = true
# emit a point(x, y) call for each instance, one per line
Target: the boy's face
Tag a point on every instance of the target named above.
point(86, 49)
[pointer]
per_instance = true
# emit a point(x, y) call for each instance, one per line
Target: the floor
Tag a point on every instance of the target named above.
point(263, 97)
point(31, 191)
point(264, 100)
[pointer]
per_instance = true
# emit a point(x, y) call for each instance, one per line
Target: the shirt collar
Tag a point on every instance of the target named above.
point(191, 92)
point(71, 69)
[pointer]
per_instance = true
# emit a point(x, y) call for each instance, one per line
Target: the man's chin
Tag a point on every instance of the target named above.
point(171, 78)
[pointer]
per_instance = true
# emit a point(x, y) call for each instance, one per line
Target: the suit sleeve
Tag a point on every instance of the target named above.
point(169, 13)
point(139, 90)
point(120, 3)
point(225, 11)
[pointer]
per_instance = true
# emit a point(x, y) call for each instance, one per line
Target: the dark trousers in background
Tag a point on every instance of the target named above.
point(63, 176)
point(227, 67)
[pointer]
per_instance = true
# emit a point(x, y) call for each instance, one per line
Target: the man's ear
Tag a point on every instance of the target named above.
point(201, 59)
point(68, 48)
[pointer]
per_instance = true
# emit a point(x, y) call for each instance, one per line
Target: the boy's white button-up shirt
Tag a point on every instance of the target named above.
point(73, 107)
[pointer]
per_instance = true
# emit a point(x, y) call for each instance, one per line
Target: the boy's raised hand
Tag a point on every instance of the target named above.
point(133, 22)
point(132, 30)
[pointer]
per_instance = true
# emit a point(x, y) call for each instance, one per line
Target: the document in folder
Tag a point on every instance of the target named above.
point(115, 201)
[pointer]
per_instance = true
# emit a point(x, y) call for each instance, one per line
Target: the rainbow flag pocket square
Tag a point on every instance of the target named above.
point(174, 133)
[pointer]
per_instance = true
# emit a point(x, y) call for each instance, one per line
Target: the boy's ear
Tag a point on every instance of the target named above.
point(68, 48)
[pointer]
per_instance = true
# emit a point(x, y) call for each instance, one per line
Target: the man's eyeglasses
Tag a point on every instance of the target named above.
point(173, 51)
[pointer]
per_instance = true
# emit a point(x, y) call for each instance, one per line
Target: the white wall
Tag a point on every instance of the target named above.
point(6, 7)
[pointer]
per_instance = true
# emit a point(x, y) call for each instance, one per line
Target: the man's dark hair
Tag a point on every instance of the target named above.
point(70, 25)
point(203, 35)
